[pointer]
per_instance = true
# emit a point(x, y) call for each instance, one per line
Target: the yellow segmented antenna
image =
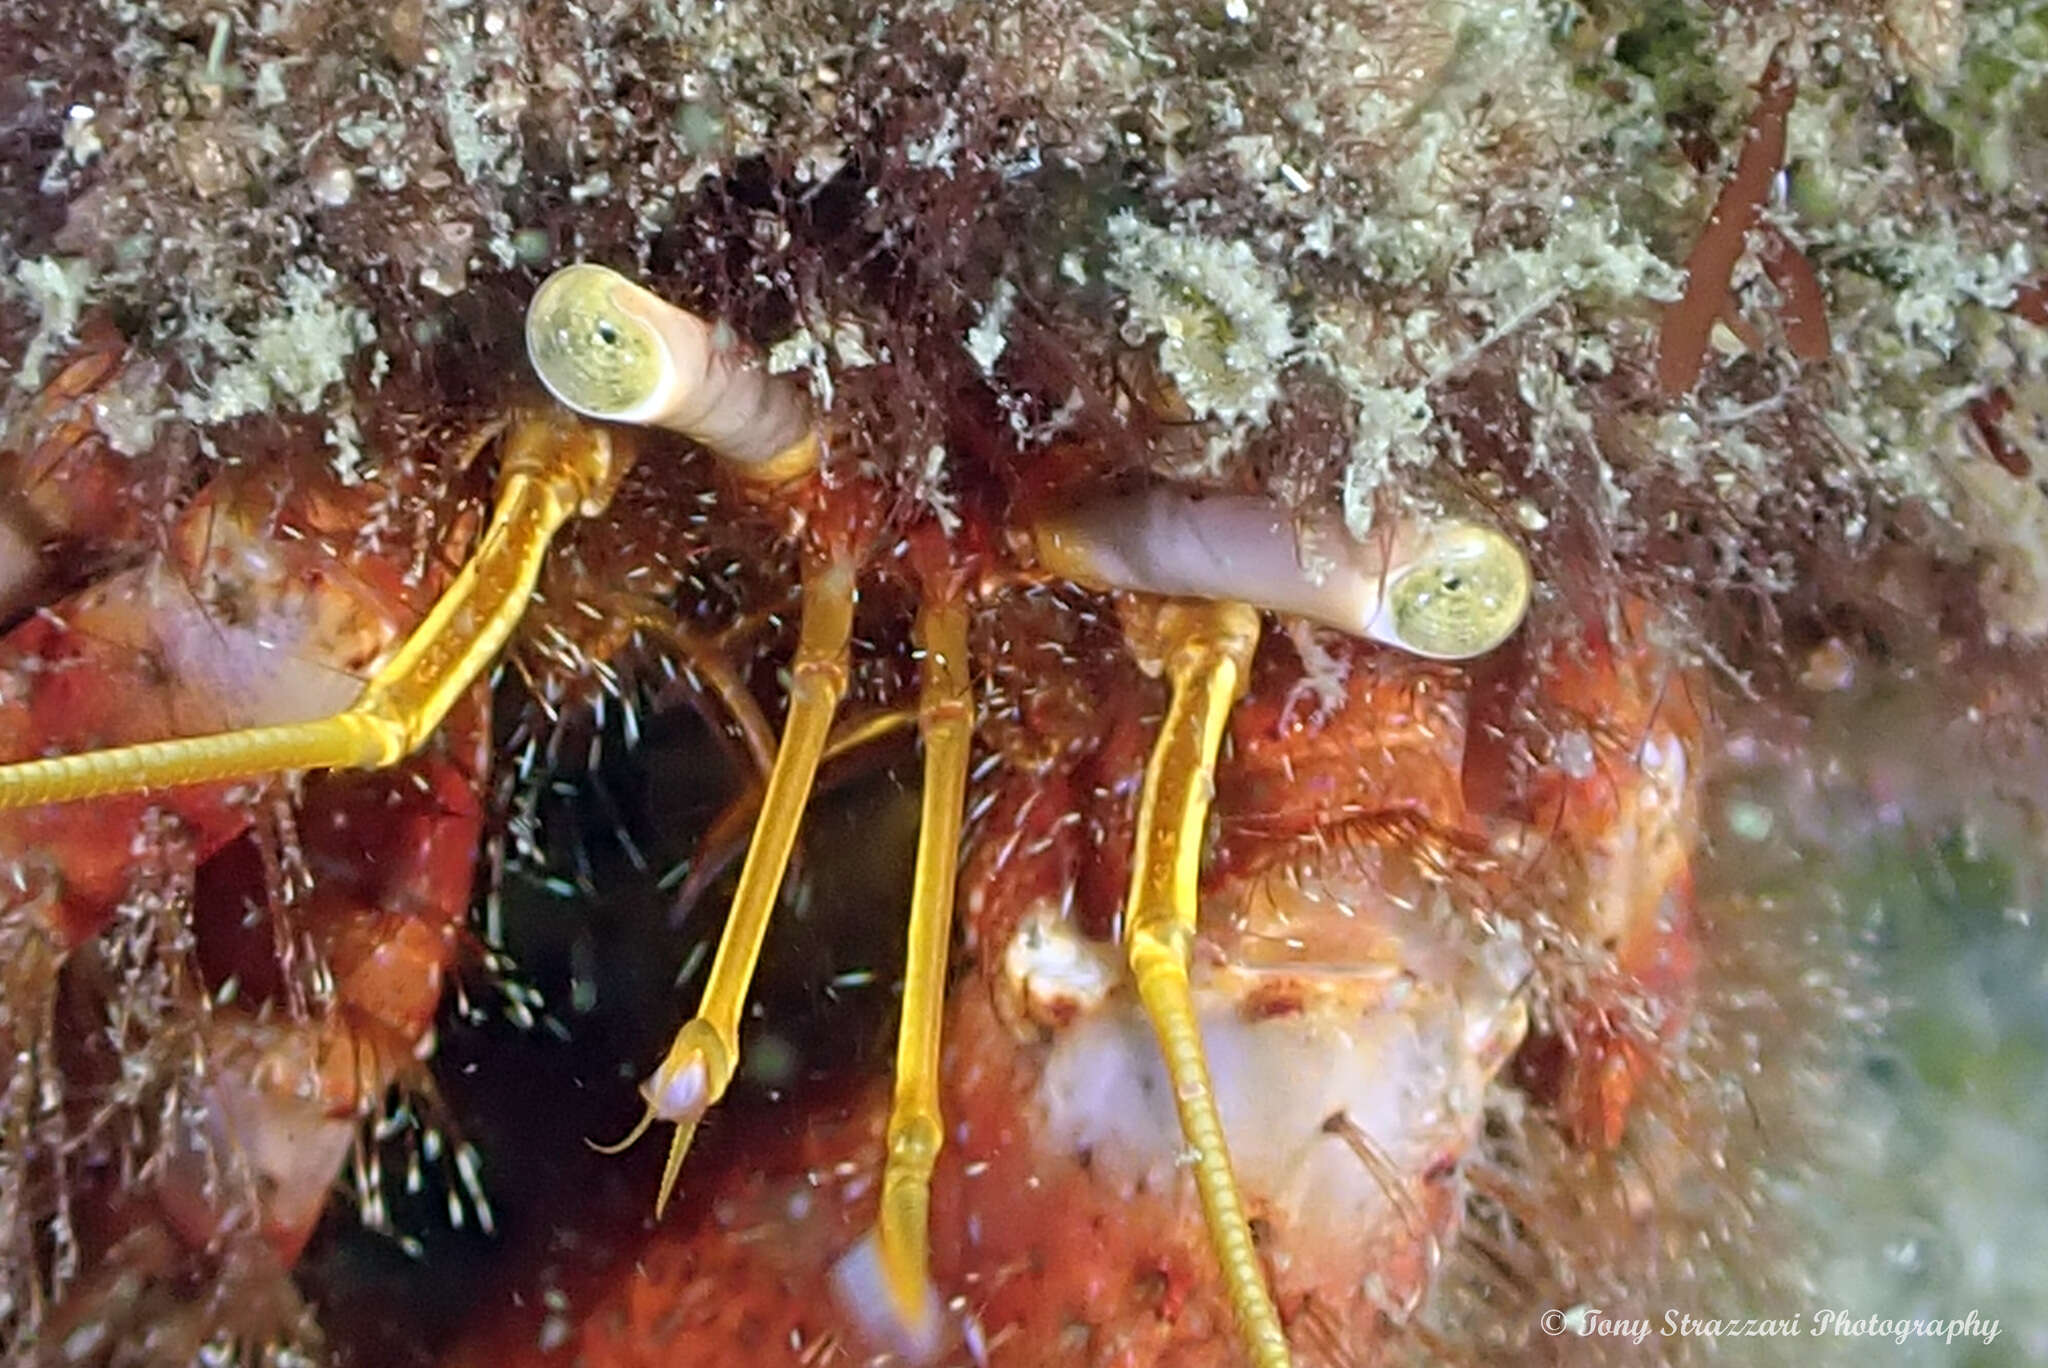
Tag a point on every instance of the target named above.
point(1207, 648)
point(699, 1065)
point(552, 470)
point(946, 718)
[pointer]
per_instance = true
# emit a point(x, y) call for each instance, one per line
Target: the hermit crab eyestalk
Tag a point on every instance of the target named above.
point(1442, 588)
point(1462, 594)
point(612, 350)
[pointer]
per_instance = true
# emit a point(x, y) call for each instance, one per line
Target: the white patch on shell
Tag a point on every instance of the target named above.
point(1277, 1081)
point(291, 1143)
point(1054, 972)
point(277, 665)
point(1404, 1056)
point(263, 1117)
point(986, 339)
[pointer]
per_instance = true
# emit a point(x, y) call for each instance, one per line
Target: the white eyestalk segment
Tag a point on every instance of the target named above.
point(611, 350)
point(1442, 589)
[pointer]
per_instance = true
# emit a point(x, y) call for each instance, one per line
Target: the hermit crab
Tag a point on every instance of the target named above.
point(1332, 498)
point(1326, 1014)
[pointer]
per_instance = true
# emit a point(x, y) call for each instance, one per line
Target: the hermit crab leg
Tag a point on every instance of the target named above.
point(1207, 649)
point(699, 1065)
point(550, 472)
point(1199, 568)
point(946, 718)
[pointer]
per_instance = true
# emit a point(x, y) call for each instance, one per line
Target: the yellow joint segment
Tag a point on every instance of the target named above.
point(709, 1042)
point(1206, 648)
point(793, 462)
point(859, 732)
point(469, 626)
point(916, 1128)
point(550, 470)
point(582, 462)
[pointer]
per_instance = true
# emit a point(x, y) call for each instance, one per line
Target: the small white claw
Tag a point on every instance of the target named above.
point(861, 1286)
point(678, 1095)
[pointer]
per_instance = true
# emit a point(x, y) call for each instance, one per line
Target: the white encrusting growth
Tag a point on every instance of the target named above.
point(1445, 589)
point(1225, 332)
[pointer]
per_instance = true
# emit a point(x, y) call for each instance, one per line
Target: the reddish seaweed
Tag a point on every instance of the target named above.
point(1709, 297)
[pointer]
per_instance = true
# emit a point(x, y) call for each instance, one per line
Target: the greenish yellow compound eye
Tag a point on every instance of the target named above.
point(1462, 596)
point(589, 348)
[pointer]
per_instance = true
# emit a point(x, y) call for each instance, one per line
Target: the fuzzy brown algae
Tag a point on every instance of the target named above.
point(1301, 473)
